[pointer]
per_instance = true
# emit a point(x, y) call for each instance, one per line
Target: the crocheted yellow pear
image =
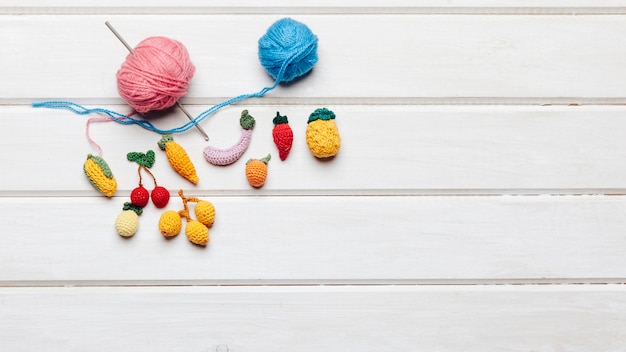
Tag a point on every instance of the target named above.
point(322, 134)
point(197, 231)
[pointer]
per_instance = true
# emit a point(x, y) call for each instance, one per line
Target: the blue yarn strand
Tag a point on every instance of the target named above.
point(301, 60)
point(129, 120)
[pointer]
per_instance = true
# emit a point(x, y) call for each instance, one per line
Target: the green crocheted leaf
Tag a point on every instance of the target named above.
point(146, 159)
point(279, 119)
point(321, 114)
point(164, 140)
point(131, 206)
point(246, 121)
point(134, 156)
point(149, 160)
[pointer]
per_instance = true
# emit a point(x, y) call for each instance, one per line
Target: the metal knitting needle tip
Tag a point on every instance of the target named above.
point(206, 136)
point(119, 37)
point(130, 49)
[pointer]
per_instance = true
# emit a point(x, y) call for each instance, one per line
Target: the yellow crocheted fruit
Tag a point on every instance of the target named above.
point(322, 134)
point(126, 223)
point(197, 233)
point(170, 223)
point(205, 212)
point(100, 175)
point(178, 158)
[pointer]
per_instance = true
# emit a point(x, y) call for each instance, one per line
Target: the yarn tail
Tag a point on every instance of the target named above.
point(91, 140)
point(114, 115)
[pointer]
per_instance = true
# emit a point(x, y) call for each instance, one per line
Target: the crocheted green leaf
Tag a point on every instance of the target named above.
point(246, 121)
point(130, 206)
point(321, 114)
point(164, 140)
point(279, 119)
point(146, 159)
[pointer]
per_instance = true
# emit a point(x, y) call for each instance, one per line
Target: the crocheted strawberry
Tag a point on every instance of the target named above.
point(283, 135)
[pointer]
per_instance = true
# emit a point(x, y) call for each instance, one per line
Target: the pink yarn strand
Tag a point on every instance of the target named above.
point(89, 121)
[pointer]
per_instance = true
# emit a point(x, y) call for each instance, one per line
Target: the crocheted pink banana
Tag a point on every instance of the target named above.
point(221, 157)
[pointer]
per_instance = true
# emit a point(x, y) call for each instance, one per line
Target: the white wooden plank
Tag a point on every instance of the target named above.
point(304, 240)
point(441, 57)
point(385, 150)
point(456, 318)
point(275, 5)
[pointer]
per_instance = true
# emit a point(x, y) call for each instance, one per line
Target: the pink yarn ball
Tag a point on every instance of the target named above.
point(156, 75)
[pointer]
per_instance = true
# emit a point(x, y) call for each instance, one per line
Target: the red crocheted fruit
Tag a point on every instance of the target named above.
point(160, 196)
point(139, 197)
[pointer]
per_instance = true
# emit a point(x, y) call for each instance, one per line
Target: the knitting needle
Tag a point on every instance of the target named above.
point(130, 49)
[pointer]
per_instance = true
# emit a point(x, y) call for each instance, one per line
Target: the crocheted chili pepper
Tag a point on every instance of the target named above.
point(283, 135)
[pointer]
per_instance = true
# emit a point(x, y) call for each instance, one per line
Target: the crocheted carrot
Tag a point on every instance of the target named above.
point(322, 135)
point(256, 171)
point(283, 135)
point(221, 157)
point(100, 175)
point(178, 158)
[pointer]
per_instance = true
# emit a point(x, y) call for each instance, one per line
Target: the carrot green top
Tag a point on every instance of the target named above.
point(164, 140)
point(321, 114)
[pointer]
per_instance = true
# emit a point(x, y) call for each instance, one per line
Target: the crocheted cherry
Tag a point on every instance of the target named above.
point(139, 196)
point(160, 196)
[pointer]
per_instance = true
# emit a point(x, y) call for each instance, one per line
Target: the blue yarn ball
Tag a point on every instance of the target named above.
point(291, 43)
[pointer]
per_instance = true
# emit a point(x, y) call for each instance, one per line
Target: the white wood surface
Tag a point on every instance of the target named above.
point(279, 6)
point(477, 202)
point(416, 59)
point(324, 239)
point(386, 150)
point(433, 318)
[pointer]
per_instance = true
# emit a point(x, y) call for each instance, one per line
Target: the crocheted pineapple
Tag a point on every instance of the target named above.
point(322, 134)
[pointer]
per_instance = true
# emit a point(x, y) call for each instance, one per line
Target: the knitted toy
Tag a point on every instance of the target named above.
point(139, 196)
point(197, 231)
point(100, 175)
point(256, 171)
point(322, 134)
point(127, 222)
point(178, 158)
point(217, 156)
point(283, 135)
